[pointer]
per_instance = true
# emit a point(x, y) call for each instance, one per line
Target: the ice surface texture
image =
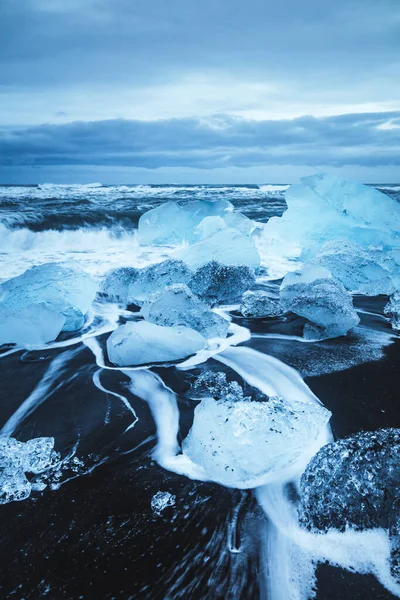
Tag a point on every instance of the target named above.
point(392, 309)
point(259, 304)
point(216, 283)
point(65, 293)
point(142, 343)
point(18, 458)
point(360, 270)
point(355, 482)
point(172, 223)
point(238, 440)
point(178, 306)
point(314, 294)
point(324, 208)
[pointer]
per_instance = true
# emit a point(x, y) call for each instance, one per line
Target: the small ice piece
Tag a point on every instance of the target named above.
point(171, 224)
point(178, 306)
point(140, 343)
point(161, 500)
point(360, 270)
point(216, 283)
point(354, 482)
point(239, 442)
point(259, 304)
point(314, 294)
point(134, 286)
point(392, 310)
point(33, 325)
point(18, 458)
point(324, 208)
point(116, 283)
point(228, 247)
point(64, 290)
point(214, 385)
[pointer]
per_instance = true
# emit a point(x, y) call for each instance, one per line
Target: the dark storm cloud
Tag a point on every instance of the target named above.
point(54, 42)
point(371, 139)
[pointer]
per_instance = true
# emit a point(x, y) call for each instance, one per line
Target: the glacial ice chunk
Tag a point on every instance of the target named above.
point(162, 500)
point(244, 443)
point(18, 458)
point(216, 283)
point(355, 482)
point(63, 290)
point(140, 343)
point(392, 310)
point(214, 385)
point(259, 304)
point(171, 223)
point(134, 286)
point(314, 294)
point(360, 270)
point(33, 325)
point(228, 247)
point(324, 208)
point(178, 306)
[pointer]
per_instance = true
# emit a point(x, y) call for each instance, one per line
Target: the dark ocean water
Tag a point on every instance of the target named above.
point(92, 533)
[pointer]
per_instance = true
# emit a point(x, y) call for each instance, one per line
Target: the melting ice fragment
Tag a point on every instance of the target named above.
point(33, 325)
point(172, 223)
point(324, 208)
point(18, 458)
point(134, 286)
point(355, 482)
point(314, 294)
point(361, 270)
point(244, 443)
point(259, 304)
point(214, 385)
point(178, 306)
point(392, 309)
point(66, 292)
point(216, 283)
point(229, 247)
point(142, 343)
point(161, 500)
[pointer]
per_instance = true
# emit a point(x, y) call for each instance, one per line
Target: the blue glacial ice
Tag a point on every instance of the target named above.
point(324, 208)
point(314, 294)
point(178, 306)
point(65, 293)
point(140, 343)
point(216, 283)
point(134, 286)
point(17, 459)
point(172, 223)
point(259, 304)
point(361, 270)
point(392, 310)
point(228, 246)
point(240, 441)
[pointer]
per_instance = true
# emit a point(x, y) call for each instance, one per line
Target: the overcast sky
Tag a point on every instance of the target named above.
point(190, 90)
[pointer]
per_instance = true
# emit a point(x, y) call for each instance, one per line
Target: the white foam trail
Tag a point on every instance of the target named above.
point(44, 389)
point(99, 385)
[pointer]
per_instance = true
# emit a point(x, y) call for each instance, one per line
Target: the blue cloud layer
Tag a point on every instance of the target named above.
point(371, 139)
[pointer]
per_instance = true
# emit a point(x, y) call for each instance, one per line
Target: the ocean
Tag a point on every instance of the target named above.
point(93, 532)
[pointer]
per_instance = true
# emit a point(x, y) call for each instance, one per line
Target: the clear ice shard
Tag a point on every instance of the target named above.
point(216, 283)
point(242, 443)
point(228, 246)
point(355, 482)
point(178, 306)
point(172, 224)
point(134, 286)
point(314, 294)
point(18, 458)
point(140, 343)
point(361, 270)
point(161, 500)
point(324, 208)
point(392, 310)
point(259, 304)
point(68, 292)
